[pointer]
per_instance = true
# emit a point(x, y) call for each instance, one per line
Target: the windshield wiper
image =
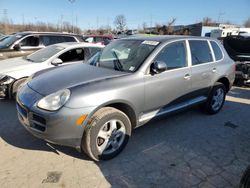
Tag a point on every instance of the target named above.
point(117, 62)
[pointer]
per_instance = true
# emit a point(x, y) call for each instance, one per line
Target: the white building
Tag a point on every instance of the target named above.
point(227, 30)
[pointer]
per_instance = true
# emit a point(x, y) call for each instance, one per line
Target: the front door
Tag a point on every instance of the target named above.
point(171, 86)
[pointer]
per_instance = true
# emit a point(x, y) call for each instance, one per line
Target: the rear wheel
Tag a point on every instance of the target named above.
point(245, 179)
point(216, 99)
point(107, 134)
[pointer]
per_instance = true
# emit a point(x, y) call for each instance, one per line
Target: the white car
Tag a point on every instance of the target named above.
point(15, 71)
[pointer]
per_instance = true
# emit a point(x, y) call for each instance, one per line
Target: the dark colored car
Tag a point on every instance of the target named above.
point(238, 48)
point(101, 39)
point(25, 43)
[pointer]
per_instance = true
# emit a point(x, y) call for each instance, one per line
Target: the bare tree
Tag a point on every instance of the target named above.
point(172, 22)
point(120, 22)
point(247, 23)
point(208, 22)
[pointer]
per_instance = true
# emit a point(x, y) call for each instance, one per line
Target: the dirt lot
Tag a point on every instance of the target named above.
point(189, 149)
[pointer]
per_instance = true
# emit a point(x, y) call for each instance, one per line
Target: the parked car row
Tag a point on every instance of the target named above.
point(24, 43)
point(98, 39)
point(94, 106)
point(15, 71)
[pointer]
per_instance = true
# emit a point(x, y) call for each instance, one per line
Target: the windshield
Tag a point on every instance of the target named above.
point(9, 40)
point(44, 54)
point(124, 55)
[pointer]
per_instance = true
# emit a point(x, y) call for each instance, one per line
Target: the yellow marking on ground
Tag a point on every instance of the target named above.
point(239, 100)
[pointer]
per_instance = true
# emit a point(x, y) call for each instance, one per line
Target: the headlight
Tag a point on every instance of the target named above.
point(2, 76)
point(54, 101)
point(5, 80)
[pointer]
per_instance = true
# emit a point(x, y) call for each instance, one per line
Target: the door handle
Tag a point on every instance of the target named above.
point(187, 77)
point(214, 70)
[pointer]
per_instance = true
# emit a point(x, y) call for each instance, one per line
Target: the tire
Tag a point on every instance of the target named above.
point(15, 87)
point(245, 179)
point(106, 134)
point(215, 99)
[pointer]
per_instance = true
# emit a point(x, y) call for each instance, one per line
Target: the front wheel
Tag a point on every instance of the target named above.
point(107, 134)
point(215, 99)
point(245, 179)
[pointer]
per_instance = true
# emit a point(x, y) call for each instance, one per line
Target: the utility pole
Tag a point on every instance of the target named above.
point(220, 16)
point(23, 19)
point(6, 22)
point(72, 1)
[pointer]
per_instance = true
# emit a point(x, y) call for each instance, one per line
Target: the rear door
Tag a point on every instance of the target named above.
point(171, 86)
point(203, 67)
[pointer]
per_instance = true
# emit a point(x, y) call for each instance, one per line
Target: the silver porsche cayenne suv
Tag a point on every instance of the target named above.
point(95, 106)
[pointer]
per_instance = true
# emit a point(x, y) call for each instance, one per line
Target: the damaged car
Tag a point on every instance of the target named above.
point(15, 71)
point(238, 48)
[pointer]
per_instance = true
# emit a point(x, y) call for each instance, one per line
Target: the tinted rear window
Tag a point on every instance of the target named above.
point(49, 40)
point(200, 52)
point(69, 39)
point(217, 51)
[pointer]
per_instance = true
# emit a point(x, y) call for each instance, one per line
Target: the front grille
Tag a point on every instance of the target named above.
point(39, 119)
point(38, 123)
point(38, 127)
point(32, 120)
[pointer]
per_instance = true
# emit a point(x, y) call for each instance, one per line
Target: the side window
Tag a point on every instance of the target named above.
point(200, 52)
point(45, 40)
point(72, 55)
point(174, 55)
point(217, 51)
point(49, 40)
point(106, 41)
point(30, 41)
point(69, 39)
point(93, 51)
point(89, 39)
point(98, 39)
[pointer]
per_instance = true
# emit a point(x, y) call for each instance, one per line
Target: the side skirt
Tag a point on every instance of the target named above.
point(169, 109)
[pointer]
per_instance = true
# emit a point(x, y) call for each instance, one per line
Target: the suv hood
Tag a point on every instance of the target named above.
point(68, 76)
point(14, 64)
point(238, 47)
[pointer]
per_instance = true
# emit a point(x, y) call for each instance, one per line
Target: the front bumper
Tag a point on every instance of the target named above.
point(56, 127)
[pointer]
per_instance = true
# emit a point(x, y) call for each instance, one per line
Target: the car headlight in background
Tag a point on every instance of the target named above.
point(5, 81)
point(54, 101)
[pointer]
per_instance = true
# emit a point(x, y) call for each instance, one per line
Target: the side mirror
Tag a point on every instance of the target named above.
point(158, 67)
point(57, 62)
point(17, 47)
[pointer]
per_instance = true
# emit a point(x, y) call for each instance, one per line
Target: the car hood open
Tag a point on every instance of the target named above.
point(54, 79)
point(238, 47)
